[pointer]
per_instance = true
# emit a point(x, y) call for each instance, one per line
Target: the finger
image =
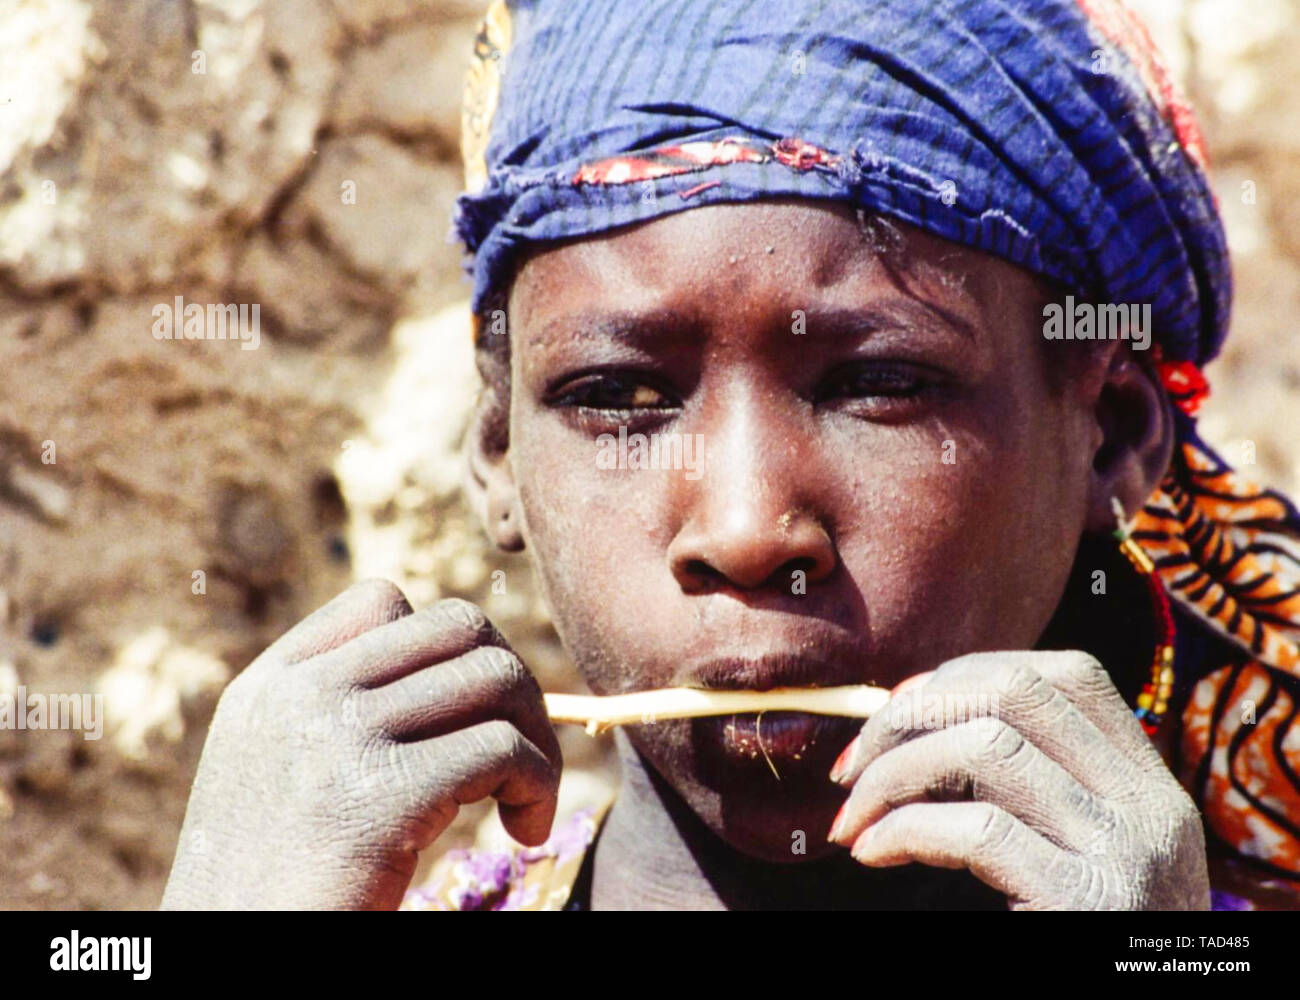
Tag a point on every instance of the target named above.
point(902, 718)
point(441, 632)
point(985, 760)
point(1006, 686)
point(484, 684)
point(362, 607)
point(1044, 713)
point(492, 758)
point(845, 763)
point(1083, 680)
point(988, 841)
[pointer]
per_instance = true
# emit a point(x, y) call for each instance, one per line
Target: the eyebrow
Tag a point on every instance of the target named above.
point(665, 325)
point(889, 314)
point(653, 325)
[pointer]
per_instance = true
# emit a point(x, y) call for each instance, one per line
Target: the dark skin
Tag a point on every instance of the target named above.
point(827, 541)
point(845, 426)
point(857, 493)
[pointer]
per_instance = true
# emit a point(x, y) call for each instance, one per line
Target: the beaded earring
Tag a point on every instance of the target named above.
point(1153, 700)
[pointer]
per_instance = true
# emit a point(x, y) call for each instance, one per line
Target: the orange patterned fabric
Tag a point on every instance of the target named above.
point(1228, 553)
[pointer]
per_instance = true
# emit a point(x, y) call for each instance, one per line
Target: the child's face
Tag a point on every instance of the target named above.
point(889, 479)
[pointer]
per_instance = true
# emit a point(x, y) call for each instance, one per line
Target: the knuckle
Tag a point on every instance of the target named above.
point(504, 738)
point(351, 705)
point(383, 595)
point(1095, 889)
point(422, 627)
point(995, 742)
point(499, 671)
point(1084, 665)
point(464, 613)
point(372, 767)
point(513, 675)
point(462, 625)
point(1085, 671)
point(995, 827)
point(1080, 800)
point(1018, 679)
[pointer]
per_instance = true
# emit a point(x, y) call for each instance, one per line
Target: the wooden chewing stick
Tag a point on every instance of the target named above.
point(858, 701)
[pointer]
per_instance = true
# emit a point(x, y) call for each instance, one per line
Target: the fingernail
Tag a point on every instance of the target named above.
point(838, 822)
point(841, 766)
point(861, 846)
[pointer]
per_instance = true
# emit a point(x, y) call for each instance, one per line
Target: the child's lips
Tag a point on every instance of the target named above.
point(779, 669)
point(793, 735)
point(785, 742)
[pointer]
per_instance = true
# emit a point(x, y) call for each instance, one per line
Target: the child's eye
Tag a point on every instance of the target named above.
point(613, 393)
point(883, 384)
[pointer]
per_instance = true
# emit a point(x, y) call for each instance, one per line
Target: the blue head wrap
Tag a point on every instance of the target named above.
point(1045, 132)
point(1042, 131)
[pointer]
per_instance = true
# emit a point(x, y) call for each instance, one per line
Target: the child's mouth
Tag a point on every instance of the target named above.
point(781, 738)
point(783, 669)
point(780, 743)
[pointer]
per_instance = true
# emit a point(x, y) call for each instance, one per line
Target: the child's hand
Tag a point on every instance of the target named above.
point(349, 745)
point(1059, 800)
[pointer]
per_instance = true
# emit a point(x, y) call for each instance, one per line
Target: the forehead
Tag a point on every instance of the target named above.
point(785, 253)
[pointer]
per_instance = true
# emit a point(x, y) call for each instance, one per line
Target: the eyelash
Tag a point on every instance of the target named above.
point(892, 386)
point(895, 383)
point(577, 393)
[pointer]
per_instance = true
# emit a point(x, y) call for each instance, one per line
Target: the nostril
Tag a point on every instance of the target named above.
point(805, 564)
point(722, 553)
point(701, 577)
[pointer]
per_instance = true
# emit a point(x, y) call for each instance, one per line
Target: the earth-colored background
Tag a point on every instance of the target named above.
point(330, 453)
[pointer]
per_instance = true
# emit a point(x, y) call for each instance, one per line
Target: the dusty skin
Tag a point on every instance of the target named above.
point(174, 427)
point(823, 457)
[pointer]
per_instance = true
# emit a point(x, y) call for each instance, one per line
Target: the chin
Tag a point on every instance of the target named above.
point(775, 804)
point(787, 828)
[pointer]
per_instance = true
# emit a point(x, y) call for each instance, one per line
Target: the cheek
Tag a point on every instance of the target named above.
point(597, 539)
point(955, 536)
point(972, 526)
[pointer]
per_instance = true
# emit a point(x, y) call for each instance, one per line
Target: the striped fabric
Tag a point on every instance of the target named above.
point(1045, 132)
point(1228, 553)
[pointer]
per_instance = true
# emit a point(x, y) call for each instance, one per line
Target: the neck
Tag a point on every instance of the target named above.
point(655, 853)
point(644, 859)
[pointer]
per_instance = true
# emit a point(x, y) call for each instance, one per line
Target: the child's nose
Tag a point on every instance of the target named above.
point(750, 521)
point(750, 546)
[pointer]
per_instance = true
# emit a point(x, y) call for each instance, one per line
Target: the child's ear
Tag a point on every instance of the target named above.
point(1136, 422)
point(490, 482)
